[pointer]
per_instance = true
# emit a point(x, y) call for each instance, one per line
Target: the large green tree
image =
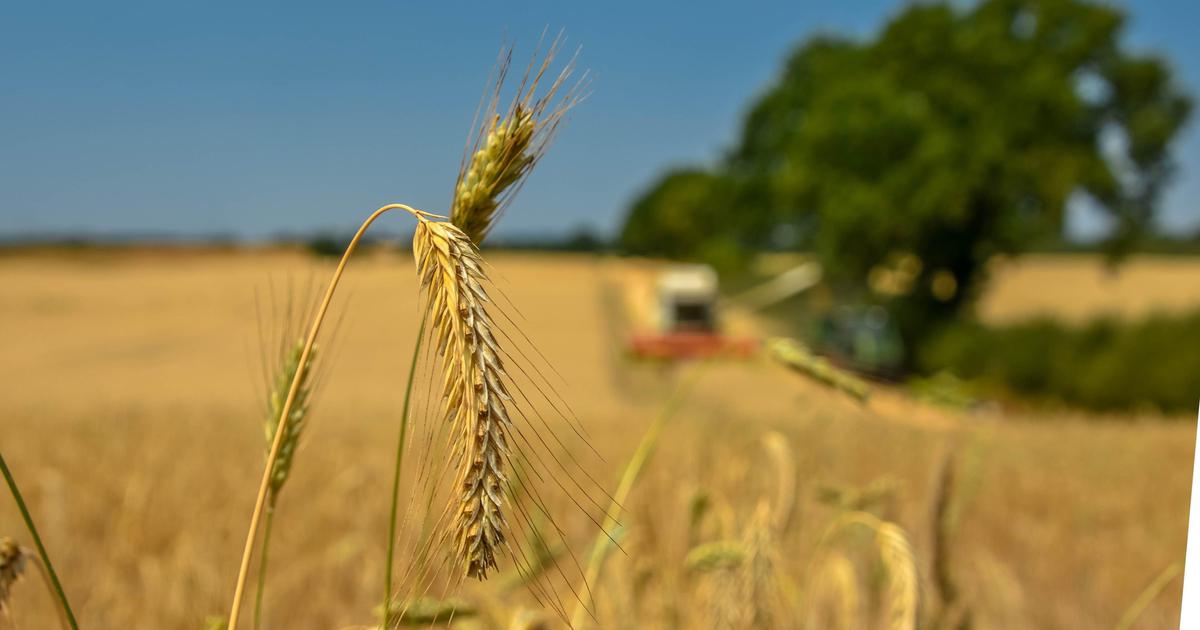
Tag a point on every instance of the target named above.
point(953, 136)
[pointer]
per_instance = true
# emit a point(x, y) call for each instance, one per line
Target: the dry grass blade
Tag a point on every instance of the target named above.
point(1153, 589)
point(474, 390)
point(508, 144)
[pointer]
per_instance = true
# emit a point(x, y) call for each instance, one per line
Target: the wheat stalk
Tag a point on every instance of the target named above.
point(1147, 596)
point(285, 416)
point(65, 615)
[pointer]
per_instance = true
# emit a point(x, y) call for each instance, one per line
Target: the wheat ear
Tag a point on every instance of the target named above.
point(897, 557)
point(835, 581)
point(294, 427)
point(780, 452)
point(506, 145)
point(290, 442)
point(799, 358)
point(474, 390)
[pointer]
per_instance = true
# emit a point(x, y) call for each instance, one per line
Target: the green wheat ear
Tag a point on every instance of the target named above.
point(296, 416)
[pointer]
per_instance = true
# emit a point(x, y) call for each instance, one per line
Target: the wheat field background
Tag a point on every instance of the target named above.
point(130, 389)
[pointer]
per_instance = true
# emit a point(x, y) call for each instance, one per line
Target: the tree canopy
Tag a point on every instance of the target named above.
point(952, 136)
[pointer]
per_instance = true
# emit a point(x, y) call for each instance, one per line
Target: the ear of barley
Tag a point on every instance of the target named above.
point(903, 606)
point(504, 159)
point(12, 567)
point(835, 593)
point(507, 145)
point(797, 357)
point(780, 453)
point(294, 427)
point(474, 391)
point(897, 557)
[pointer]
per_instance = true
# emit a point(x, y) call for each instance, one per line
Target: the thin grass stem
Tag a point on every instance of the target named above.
point(400, 443)
point(37, 541)
point(262, 568)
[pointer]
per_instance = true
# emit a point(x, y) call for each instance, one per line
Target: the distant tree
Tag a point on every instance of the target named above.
point(953, 136)
point(685, 215)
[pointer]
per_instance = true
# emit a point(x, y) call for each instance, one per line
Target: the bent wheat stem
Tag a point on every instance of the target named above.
point(285, 412)
point(37, 541)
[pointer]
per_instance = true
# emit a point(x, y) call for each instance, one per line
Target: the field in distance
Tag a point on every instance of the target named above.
point(132, 394)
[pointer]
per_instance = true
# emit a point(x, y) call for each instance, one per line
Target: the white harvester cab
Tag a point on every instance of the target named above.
point(687, 299)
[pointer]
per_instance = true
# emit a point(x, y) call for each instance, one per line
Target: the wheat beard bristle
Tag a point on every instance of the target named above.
point(474, 392)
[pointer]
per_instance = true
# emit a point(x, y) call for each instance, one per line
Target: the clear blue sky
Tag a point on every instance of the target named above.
point(256, 118)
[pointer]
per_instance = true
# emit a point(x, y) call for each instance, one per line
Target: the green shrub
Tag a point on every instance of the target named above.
point(1106, 365)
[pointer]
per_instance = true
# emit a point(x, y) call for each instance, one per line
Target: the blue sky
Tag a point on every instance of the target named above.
point(258, 118)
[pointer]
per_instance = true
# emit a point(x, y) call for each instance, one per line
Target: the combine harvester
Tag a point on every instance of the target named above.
point(682, 318)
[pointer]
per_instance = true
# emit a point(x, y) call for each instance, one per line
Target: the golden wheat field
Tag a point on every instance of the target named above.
point(131, 393)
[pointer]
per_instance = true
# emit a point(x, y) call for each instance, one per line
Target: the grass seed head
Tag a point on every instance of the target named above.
point(474, 391)
point(897, 557)
point(295, 426)
point(508, 144)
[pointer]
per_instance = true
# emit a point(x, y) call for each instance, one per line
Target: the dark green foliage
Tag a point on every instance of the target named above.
point(954, 135)
point(326, 245)
point(687, 215)
point(1107, 365)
